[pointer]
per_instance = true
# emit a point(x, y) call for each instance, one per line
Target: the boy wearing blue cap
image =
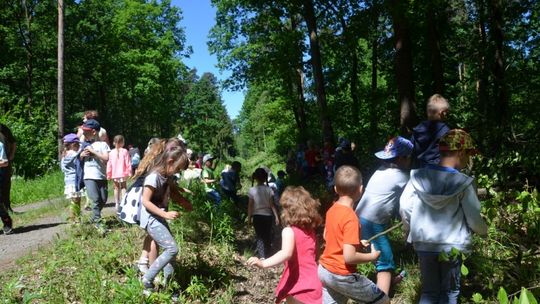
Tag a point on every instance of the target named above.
point(380, 203)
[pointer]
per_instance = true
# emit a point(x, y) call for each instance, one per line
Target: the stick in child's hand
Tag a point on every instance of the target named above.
point(385, 232)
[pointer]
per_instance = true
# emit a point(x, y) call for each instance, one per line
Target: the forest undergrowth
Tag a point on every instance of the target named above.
point(215, 243)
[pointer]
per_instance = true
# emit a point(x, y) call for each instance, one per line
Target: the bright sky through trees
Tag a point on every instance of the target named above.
point(199, 16)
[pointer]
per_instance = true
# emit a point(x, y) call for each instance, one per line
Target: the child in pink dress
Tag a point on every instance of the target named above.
point(119, 168)
point(299, 282)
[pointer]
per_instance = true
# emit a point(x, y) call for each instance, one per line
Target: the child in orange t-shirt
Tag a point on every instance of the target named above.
point(337, 265)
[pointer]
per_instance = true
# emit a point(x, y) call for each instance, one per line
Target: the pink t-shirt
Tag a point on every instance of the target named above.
point(300, 278)
point(119, 164)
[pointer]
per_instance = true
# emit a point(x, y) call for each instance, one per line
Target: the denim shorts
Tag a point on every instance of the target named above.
point(382, 243)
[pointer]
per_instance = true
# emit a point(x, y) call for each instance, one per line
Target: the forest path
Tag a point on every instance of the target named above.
point(38, 233)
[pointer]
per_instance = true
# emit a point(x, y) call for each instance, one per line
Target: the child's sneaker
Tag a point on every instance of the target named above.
point(8, 230)
point(397, 279)
point(148, 287)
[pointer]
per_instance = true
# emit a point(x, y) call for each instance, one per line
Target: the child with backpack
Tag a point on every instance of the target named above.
point(155, 197)
point(68, 166)
point(261, 211)
point(299, 281)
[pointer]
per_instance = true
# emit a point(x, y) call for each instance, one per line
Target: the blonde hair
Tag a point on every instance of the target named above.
point(156, 149)
point(299, 208)
point(347, 180)
point(436, 104)
point(118, 139)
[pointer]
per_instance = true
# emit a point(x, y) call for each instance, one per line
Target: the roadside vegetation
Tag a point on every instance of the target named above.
point(214, 245)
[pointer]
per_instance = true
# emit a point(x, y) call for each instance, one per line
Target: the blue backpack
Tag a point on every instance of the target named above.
point(79, 168)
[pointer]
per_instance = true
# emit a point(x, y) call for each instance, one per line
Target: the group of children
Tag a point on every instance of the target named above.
point(437, 204)
point(438, 207)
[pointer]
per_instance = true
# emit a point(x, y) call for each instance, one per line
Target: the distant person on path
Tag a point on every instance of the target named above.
point(102, 133)
point(135, 156)
point(427, 134)
point(345, 156)
point(10, 146)
point(95, 157)
point(209, 179)
point(337, 265)
point(440, 210)
point(4, 213)
point(299, 282)
point(155, 199)
point(261, 212)
point(380, 204)
point(68, 166)
point(230, 182)
point(119, 168)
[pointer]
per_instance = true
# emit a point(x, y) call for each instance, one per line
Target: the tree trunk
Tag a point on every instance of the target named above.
point(403, 67)
point(482, 79)
point(60, 83)
point(297, 89)
point(354, 82)
point(434, 47)
point(500, 91)
point(316, 63)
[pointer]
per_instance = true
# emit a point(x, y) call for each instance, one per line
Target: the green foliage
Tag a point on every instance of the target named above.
point(48, 186)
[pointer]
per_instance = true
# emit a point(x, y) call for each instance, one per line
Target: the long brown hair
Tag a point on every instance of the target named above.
point(299, 208)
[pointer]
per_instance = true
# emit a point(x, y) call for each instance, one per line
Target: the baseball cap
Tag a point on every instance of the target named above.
point(397, 146)
point(456, 140)
point(345, 144)
point(91, 124)
point(207, 157)
point(70, 138)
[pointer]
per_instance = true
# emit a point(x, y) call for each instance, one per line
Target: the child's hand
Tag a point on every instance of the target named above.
point(364, 243)
point(254, 261)
point(171, 215)
point(374, 253)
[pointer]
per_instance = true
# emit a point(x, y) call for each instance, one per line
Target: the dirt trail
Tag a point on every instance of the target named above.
point(41, 232)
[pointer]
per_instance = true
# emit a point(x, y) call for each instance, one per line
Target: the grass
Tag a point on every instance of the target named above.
point(49, 186)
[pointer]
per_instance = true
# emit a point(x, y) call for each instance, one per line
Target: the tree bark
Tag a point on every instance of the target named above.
point(316, 63)
point(374, 62)
point(403, 67)
point(60, 72)
point(482, 79)
point(500, 90)
point(434, 47)
point(297, 88)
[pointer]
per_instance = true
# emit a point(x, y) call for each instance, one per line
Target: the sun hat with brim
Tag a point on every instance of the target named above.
point(91, 124)
point(457, 140)
point(208, 157)
point(70, 138)
point(397, 146)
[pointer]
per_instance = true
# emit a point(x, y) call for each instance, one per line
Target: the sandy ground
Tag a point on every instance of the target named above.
point(41, 232)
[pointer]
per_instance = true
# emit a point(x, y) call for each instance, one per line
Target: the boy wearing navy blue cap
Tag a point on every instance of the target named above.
point(380, 203)
point(95, 156)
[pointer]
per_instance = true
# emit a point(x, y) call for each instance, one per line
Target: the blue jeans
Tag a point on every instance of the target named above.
point(385, 262)
point(97, 192)
point(440, 280)
point(214, 195)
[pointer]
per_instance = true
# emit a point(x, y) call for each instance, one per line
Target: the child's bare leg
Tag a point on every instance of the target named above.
point(384, 279)
point(116, 193)
point(154, 252)
point(143, 260)
point(123, 188)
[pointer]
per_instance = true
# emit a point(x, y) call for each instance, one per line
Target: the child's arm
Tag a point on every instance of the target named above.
point(353, 257)
point(274, 211)
point(471, 210)
point(178, 198)
point(287, 249)
point(146, 195)
point(4, 163)
point(109, 169)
